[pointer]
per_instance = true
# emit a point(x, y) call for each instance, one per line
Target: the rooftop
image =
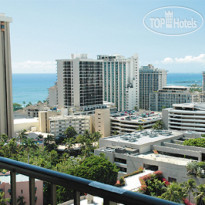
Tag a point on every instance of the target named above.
point(144, 137)
point(199, 106)
point(66, 117)
point(165, 158)
point(25, 120)
point(133, 116)
point(5, 18)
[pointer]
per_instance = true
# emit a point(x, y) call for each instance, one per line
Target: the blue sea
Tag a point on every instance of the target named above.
point(34, 87)
point(31, 87)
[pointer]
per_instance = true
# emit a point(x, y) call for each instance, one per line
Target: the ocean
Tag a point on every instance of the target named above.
point(34, 87)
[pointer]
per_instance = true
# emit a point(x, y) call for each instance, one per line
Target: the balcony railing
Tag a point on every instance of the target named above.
point(79, 185)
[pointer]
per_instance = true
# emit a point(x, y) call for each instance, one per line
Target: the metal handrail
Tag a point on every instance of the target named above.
point(79, 185)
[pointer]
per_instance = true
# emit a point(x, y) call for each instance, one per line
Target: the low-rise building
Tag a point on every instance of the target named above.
point(134, 150)
point(169, 95)
point(127, 122)
point(58, 125)
point(187, 116)
point(26, 124)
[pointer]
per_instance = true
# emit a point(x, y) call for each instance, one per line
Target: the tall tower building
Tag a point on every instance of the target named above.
point(151, 79)
point(121, 81)
point(6, 106)
point(80, 83)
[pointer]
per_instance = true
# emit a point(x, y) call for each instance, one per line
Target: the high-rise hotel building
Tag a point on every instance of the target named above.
point(80, 83)
point(121, 81)
point(151, 80)
point(6, 106)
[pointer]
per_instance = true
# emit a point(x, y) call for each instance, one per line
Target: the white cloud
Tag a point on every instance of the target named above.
point(34, 67)
point(187, 59)
point(167, 60)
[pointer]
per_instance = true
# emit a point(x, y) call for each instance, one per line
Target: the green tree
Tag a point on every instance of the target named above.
point(88, 142)
point(3, 201)
point(97, 168)
point(24, 103)
point(3, 139)
point(70, 132)
point(136, 108)
point(175, 193)
point(200, 194)
point(17, 106)
point(29, 144)
point(20, 200)
point(158, 125)
point(22, 135)
point(140, 128)
point(50, 143)
point(30, 103)
point(189, 186)
point(192, 168)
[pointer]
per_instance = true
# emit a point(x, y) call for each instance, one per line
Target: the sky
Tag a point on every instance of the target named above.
point(43, 31)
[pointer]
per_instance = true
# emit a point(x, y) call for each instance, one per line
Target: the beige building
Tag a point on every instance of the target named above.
point(59, 124)
point(53, 96)
point(102, 122)
point(44, 122)
point(6, 107)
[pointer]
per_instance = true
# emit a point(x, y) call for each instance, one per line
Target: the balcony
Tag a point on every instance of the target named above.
point(79, 185)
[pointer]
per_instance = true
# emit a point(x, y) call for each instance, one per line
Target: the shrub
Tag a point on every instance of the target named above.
point(197, 142)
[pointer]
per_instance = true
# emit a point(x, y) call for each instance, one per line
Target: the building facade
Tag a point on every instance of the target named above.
point(53, 96)
point(80, 83)
point(169, 95)
point(150, 80)
point(134, 150)
point(185, 117)
point(102, 122)
point(121, 81)
point(130, 122)
point(6, 105)
point(58, 125)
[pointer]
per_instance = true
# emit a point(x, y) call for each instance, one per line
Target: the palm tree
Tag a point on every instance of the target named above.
point(140, 128)
point(20, 200)
point(192, 168)
point(200, 194)
point(158, 125)
point(29, 144)
point(189, 186)
point(174, 193)
point(22, 135)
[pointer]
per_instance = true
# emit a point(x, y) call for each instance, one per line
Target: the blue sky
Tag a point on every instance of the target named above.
point(43, 31)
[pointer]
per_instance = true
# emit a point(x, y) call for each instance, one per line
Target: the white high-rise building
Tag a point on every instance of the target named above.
point(151, 79)
point(121, 81)
point(6, 106)
point(80, 83)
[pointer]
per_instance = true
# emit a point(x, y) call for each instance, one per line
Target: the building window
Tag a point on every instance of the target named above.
point(170, 179)
point(123, 161)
